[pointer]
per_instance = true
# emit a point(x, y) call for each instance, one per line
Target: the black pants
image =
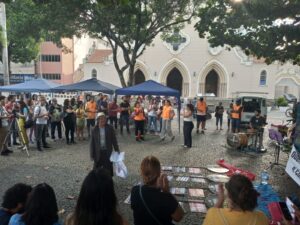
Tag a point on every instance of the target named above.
point(112, 120)
point(70, 130)
point(188, 126)
point(104, 162)
point(14, 131)
point(53, 126)
point(89, 123)
point(139, 128)
point(40, 133)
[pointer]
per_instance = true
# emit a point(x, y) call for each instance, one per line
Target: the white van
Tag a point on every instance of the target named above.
point(250, 104)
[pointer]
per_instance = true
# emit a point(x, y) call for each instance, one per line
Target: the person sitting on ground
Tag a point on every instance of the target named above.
point(14, 201)
point(152, 203)
point(97, 202)
point(40, 209)
point(242, 200)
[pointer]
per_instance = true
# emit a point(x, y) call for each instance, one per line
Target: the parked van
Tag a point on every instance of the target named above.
point(250, 104)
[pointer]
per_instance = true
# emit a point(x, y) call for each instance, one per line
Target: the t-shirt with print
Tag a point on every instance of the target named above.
point(161, 204)
point(125, 105)
point(4, 217)
point(38, 111)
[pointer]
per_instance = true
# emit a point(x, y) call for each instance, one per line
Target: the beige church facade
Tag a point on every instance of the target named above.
point(189, 64)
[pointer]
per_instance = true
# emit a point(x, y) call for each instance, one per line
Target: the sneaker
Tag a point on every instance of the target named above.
point(39, 149)
point(162, 139)
point(202, 131)
point(137, 139)
point(172, 139)
point(197, 131)
point(73, 142)
point(8, 150)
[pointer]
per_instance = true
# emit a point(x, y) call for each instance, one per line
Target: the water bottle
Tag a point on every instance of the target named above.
point(264, 177)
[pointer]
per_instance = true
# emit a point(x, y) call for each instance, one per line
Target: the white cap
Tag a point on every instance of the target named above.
point(100, 114)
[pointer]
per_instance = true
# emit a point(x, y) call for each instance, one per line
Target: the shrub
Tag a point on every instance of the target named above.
point(281, 102)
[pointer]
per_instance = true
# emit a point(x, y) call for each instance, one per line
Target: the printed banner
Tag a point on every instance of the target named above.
point(293, 166)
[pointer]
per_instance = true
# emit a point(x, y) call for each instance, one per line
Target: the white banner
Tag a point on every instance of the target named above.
point(293, 166)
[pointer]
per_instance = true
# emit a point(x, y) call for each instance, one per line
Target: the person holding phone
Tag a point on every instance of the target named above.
point(242, 201)
point(152, 203)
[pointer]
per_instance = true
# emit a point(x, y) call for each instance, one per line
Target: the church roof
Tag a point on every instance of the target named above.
point(99, 55)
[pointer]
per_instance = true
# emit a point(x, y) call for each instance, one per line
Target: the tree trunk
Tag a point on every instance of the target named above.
point(131, 75)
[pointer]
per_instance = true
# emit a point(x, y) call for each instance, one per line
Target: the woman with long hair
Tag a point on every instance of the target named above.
point(152, 203)
point(242, 201)
point(97, 202)
point(40, 209)
point(188, 125)
point(80, 120)
point(139, 119)
point(22, 116)
point(69, 115)
point(167, 117)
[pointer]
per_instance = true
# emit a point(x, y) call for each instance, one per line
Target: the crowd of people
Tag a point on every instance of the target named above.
point(151, 202)
point(32, 118)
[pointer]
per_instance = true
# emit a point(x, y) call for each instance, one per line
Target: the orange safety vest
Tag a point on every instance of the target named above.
point(235, 113)
point(138, 114)
point(201, 106)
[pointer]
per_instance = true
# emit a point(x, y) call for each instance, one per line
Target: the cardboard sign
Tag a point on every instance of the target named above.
point(293, 166)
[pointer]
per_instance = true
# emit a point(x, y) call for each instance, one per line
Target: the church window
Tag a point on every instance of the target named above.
point(94, 73)
point(263, 78)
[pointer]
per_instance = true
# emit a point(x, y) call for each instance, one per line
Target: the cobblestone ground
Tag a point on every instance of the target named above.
point(64, 167)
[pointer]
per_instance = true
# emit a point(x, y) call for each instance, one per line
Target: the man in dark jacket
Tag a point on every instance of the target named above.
point(102, 143)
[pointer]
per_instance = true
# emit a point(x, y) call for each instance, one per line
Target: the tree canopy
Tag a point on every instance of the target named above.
point(268, 29)
point(130, 26)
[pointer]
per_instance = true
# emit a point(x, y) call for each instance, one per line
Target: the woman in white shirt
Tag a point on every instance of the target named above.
point(188, 125)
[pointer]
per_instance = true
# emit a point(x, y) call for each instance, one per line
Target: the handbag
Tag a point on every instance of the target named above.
point(147, 208)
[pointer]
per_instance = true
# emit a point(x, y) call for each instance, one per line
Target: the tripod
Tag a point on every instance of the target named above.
point(21, 136)
point(277, 150)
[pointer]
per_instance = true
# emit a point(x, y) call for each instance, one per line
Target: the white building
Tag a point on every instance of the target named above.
point(193, 67)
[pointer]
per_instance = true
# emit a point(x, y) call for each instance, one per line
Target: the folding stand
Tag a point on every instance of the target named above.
point(277, 150)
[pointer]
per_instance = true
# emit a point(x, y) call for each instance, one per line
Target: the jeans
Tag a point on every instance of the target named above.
point(219, 119)
point(152, 119)
point(55, 124)
point(166, 129)
point(40, 132)
point(112, 120)
point(14, 132)
point(188, 126)
point(124, 119)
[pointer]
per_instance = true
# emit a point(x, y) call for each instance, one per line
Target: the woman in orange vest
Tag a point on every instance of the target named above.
point(236, 117)
point(167, 116)
point(139, 119)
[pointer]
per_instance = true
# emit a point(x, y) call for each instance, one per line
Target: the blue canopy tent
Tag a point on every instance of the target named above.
point(88, 85)
point(151, 87)
point(35, 85)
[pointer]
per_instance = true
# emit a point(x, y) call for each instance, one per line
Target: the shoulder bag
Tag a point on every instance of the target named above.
point(147, 208)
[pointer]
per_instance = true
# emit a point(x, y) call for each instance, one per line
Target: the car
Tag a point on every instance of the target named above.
point(290, 98)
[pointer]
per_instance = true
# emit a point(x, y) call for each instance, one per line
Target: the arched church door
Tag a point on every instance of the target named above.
point(212, 83)
point(139, 77)
point(174, 80)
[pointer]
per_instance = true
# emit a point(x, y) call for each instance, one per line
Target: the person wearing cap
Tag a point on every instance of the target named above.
point(103, 141)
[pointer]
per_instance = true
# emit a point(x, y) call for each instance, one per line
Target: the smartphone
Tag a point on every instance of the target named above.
point(285, 211)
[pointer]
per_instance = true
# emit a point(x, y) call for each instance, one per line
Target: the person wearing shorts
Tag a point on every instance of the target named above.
point(201, 115)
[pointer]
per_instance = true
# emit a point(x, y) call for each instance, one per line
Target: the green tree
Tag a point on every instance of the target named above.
point(267, 29)
point(130, 26)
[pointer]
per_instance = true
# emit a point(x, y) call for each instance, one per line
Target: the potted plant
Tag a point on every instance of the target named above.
point(282, 104)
